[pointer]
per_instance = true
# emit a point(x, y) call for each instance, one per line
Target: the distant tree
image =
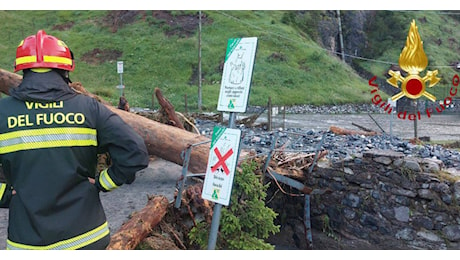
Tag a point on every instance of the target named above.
point(306, 21)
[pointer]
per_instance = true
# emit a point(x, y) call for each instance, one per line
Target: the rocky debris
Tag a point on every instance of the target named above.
point(341, 147)
point(327, 109)
point(403, 104)
point(384, 192)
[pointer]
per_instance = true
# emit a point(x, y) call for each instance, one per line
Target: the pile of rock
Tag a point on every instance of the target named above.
point(386, 192)
point(345, 147)
point(327, 109)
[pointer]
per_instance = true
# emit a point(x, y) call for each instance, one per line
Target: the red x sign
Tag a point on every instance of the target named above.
point(221, 160)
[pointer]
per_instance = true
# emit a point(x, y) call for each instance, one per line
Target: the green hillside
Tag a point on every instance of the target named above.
point(160, 49)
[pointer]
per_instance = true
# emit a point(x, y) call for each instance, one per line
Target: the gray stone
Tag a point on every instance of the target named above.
point(402, 213)
point(255, 139)
point(423, 222)
point(383, 160)
point(432, 164)
point(398, 162)
point(403, 200)
point(440, 187)
point(349, 214)
point(446, 198)
point(375, 194)
point(457, 186)
point(383, 186)
point(404, 192)
point(412, 165)
point(452, 232)
point(405, 234)
point(385, 153)
point(426, 194)
point(431, 167)
point(369, 221)
point(352, 200)
point(387, 213)
point(348, 171)
point(429, 236)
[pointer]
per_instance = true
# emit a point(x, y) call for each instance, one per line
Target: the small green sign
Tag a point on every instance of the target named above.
point(230, 104)
point(214, 195)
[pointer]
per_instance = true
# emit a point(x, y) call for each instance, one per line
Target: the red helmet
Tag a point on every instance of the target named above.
point(43, 51)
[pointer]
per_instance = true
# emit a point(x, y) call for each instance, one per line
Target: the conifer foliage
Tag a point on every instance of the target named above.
point(247, 221)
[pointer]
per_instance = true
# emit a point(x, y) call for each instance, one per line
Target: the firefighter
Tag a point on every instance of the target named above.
point(50, 137)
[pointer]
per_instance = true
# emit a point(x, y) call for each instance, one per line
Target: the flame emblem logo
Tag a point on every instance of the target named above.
point(413, 60)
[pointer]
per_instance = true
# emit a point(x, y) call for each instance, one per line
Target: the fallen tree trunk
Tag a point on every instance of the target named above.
point(140, 225)
point(164, 141)
point(8, 80)
point(343, 131)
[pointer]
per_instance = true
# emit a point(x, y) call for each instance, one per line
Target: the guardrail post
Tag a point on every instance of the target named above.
point(186, 160)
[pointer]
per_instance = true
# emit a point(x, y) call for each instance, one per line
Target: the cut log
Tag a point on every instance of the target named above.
point(164, 141)
point(8, 80)
point(132, 232)
point(343, 131)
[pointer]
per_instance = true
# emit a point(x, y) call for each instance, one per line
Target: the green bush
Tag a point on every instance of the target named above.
point(246, 222)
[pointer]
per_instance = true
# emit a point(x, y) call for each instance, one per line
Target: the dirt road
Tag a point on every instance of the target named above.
point(442, 127)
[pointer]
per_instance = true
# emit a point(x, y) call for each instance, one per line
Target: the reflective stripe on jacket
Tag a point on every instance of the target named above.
point(68, 244)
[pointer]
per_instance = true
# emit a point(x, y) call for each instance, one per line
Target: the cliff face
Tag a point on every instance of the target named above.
point(350, 25)
point(334, 29)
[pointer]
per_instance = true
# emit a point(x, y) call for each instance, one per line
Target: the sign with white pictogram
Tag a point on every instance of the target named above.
point(222, 160)
point(120, 67)
point(237, 74)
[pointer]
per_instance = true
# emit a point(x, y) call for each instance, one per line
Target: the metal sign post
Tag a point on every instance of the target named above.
point(121, 87)
point(214, 194)
point(233, 97)
point(392, 105)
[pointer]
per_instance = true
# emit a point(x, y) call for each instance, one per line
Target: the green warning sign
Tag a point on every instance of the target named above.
point(237, 74)
point(222, 160)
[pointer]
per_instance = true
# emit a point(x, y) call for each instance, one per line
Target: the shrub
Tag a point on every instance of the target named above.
point(246, 222)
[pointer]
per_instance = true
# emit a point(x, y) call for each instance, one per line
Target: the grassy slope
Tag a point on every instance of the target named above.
point(306, 74)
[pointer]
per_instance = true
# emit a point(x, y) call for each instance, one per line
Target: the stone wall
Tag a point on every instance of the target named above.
point(384, 198)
